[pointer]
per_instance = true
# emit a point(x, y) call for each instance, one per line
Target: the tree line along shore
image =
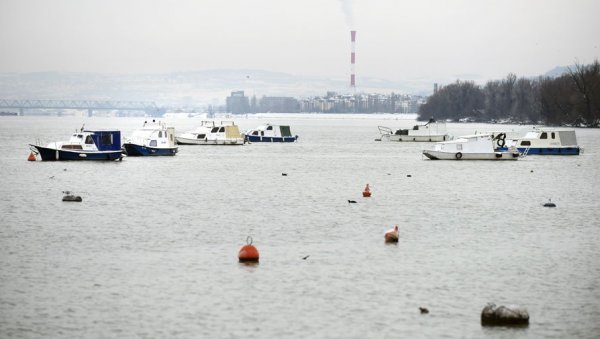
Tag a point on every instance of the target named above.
point(571, 99)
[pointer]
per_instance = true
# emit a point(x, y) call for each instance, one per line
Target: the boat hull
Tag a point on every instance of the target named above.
point(415, 138)
point(258, 138)
point(188, 141)
point(437, 155)
point(51, 154)
point(140, 150)
point(550, 150)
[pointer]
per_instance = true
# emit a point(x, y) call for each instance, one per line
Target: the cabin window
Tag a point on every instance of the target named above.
point(553, 136)
point(153, 143)
point(255, 133)
point(201, 136)
point(269, 128)
point(160, 134)
point(106, 139)
point(80, 136)
point(544, 135)
point(214, 130)
point(89, 140)
point(222, 129)
point(459, 147)
point(525, 143)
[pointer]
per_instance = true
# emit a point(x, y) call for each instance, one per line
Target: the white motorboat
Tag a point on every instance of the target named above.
point(429, 132)
point(471, 147)
point(153, 139)
point(211, 133)
point(547, 141)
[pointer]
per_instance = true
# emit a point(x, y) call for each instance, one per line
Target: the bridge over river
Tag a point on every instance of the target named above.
point(148, 107)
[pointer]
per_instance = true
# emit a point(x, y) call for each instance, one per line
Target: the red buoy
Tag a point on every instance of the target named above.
point(367, 192)
point(248, 253)
point(31, 157)
point(391, 236)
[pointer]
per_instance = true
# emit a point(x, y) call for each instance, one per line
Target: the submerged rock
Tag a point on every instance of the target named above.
point(493, 315)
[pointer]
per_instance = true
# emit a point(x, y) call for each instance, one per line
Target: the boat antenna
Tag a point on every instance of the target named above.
point(82, 126)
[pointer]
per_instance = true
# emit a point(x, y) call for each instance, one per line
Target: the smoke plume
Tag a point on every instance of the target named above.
point(348, 12)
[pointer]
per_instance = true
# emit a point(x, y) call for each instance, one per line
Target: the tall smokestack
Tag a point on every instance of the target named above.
point(352, 60)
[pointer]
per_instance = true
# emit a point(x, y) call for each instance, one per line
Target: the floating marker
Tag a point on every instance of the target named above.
point(391, 236)
point(248, 253)
point(423, 310)
point(549, 203)
point(351, 201)
point(367, 192)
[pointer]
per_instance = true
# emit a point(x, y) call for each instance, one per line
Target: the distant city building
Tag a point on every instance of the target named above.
point(332, 102)
point(237, 103)
point(279, 104)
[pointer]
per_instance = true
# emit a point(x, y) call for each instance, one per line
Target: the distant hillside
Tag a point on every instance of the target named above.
point(558, 71)
point(187, 89)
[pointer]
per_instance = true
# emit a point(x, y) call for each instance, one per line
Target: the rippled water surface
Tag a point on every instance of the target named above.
point(151, 251)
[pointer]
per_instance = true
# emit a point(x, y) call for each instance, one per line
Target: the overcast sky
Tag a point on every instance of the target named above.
point(396, 39)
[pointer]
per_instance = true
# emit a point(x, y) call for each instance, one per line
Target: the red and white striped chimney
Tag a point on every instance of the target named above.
point(352, 60)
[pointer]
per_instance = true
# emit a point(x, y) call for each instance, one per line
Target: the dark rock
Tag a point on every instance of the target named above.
point(423, 310)
point(351, 201)
point(493, 315)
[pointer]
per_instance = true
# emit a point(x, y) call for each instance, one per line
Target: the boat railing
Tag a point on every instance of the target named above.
point(525, 152)
point(385, 130)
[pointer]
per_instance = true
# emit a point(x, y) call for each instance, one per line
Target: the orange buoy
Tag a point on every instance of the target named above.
point(367, 192)
point(31, 157)
point(248, 253)
point(391, 236)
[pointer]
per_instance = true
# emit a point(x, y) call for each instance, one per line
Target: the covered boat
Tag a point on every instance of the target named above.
point(271, 133)
point(211, 133)
point(471, 147)
point(152, 139)
point(83, 145)
point(429, 132)
point(547, 141)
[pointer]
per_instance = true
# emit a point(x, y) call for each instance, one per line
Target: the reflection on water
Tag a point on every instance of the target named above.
point(152, 249)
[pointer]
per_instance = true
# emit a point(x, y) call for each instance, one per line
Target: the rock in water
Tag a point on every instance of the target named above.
point(493, 315)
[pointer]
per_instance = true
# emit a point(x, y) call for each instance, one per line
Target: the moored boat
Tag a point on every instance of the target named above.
point(429, 132)
point(211, 133)
point(271, 133)
point(471, 147)
point(547, 141)
point(153, 139)
point(83, 145)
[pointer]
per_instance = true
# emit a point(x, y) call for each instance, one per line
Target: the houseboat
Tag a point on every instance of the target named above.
point(271, 133)
point(547, 141)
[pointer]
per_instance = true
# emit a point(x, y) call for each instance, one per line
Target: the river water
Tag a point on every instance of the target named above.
point(151, 251)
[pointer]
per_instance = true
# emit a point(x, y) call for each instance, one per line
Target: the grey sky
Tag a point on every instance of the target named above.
point(396, 39)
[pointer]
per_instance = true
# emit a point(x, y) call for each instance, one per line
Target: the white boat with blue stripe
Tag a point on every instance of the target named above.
point(271, 133)
point(547, 141)
point(153, 139)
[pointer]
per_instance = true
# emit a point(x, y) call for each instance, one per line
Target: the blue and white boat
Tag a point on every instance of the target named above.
point(83, 145)
point(547, 141)
point(153, 139)
point(270, 133)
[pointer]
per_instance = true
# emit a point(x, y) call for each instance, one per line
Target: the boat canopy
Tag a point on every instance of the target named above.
point(106, 140)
